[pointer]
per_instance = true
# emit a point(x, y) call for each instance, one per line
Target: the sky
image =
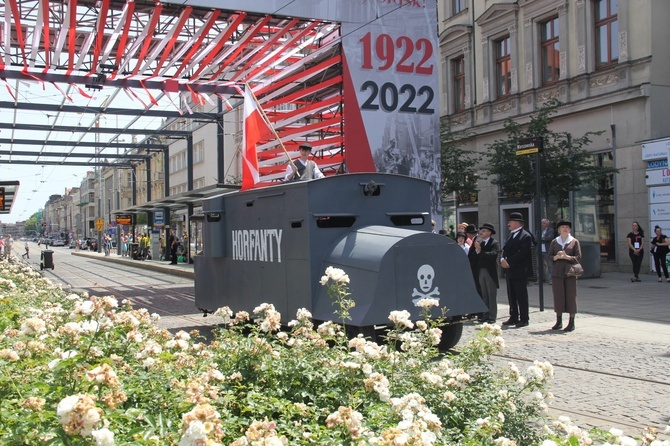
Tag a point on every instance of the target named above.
point(39, 182)
point(37, 185)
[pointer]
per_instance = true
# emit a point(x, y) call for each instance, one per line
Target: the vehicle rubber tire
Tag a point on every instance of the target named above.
point(451, 334)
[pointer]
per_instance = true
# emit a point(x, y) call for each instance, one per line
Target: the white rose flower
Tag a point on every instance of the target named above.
point(103, 437)
point(66, 406)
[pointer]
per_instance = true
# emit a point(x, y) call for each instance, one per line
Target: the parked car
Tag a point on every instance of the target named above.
point(57, 242)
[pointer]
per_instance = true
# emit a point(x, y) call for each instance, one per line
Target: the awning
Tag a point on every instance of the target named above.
point(8, 191)
point(181, 201)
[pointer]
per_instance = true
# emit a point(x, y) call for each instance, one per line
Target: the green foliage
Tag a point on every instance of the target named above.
point(31, 225)
point(459, 173)
point(565, 163)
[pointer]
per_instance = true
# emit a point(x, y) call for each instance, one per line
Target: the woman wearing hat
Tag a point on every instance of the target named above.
point(564, 251)
point(487, 250)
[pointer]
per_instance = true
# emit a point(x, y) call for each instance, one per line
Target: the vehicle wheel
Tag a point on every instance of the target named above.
point(451, 334)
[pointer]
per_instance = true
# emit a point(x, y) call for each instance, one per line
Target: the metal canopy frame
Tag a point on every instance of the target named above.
point(104, 78)
point(179, 201)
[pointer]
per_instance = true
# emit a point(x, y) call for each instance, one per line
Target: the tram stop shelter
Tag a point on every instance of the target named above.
point(8, 191)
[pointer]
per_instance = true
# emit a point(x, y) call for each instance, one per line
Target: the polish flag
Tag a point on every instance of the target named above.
point(255, 129)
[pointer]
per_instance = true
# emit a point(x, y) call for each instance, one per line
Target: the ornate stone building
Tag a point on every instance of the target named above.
point(605, 60)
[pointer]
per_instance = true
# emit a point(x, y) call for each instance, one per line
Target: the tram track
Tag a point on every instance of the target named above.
point(583, 369)
point(593, 418)
point(101, 276)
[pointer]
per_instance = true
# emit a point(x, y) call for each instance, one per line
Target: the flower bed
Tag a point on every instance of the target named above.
point(88, 370)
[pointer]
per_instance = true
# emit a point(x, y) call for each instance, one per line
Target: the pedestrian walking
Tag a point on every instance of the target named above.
point(26, 255)
point(9, 241)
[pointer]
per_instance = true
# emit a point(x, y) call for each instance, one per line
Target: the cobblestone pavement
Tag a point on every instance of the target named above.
point(613, 370)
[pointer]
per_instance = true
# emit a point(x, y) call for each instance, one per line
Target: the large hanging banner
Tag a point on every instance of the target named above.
point(391, 97)
point(391, 92)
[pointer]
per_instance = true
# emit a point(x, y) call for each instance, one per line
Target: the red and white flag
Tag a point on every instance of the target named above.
point(255, 130)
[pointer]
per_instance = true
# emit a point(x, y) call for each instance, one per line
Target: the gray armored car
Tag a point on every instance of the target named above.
point(272, 245)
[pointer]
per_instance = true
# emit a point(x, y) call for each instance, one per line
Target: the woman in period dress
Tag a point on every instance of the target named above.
point(564, 251)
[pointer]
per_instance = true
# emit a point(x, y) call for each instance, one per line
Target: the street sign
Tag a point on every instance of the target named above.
point(527, 146)
point(2, 198)
point(99, 224)
point(159, 218)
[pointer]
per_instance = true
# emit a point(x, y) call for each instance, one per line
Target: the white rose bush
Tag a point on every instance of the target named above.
point(88, 370)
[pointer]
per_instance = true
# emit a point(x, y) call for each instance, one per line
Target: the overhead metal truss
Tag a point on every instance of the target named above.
point(160, 62)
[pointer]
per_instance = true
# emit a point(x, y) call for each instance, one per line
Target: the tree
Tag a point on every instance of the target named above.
point(30, 226)
point(458, 164)
point(565, 164)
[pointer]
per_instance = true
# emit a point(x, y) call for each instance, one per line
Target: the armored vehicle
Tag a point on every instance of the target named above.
point(273, 244)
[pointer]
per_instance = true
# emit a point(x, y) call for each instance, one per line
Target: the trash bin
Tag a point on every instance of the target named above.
point(47, 259)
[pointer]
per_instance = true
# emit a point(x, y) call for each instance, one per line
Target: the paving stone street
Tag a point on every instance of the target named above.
point(613, 369)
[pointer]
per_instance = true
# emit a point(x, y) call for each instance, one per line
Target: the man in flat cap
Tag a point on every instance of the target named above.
point(486, 250)
point(517, 261)
point(307, 169)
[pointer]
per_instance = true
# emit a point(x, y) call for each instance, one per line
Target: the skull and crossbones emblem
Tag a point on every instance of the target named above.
point(425, 275)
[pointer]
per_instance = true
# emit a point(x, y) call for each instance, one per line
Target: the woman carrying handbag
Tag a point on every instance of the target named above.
point(565, 253)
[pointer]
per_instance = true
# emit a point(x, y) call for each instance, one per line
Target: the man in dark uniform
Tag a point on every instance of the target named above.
point(517, 261)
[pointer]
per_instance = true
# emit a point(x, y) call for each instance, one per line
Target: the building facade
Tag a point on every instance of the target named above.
point(605, 60)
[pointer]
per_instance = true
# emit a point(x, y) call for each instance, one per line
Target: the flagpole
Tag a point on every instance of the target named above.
point(269, 124)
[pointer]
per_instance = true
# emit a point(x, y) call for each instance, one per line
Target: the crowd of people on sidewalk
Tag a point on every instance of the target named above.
point(139, 247)
point(560, 261)
point(561, 256)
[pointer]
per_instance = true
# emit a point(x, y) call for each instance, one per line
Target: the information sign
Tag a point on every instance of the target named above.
point(159, 218)
point(124, 219)
point(527, 146)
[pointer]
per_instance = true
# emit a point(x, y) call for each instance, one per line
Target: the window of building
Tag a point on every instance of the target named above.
point(457, 6)
point(458, 82)
point(199, 152)
point(594, 205)
point(607, 32)
point(503, 67)
point(551, 65)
